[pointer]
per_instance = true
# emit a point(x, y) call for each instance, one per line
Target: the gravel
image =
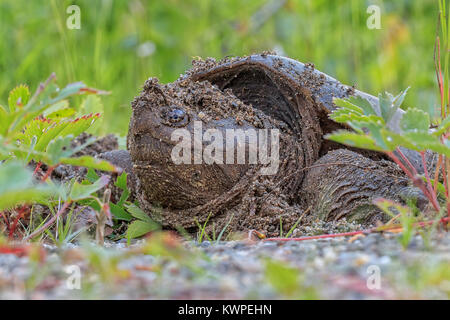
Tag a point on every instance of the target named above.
point(337, 268)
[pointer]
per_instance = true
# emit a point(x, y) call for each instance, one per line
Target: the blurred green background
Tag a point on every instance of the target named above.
point(122, 43)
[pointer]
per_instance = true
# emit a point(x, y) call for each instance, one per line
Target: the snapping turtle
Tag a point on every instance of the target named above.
point(260, 92)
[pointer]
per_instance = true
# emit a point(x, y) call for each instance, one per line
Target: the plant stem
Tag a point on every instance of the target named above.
point(20, 215)
point(445, 172)
point(427, 177)
point(49, 172)
point(401, 165)
point(402, 155)
point(417, 182)
point(436, 173)
point(49, 222)
point(354, 233)
point(38, 166)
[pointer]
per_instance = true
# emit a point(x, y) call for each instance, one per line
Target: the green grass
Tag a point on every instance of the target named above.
point(104, 52)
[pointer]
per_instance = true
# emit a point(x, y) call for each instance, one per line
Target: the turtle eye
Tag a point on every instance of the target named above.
point(174, 116)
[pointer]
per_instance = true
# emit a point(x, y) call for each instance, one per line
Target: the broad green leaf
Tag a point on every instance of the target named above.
point(137, 213)
point(415, 120)
point(390, 104)
point(93, 203)
point(364, 104)
point(50, 95)
point(59, 148)
point(58, 152)
point(348, 105)
point(394, 140)
point(18, 97)
point(345, 117)
point(70, 89)
point(63, 104)
point(35, 128)
point(14, 198)
point(35, 107)
point(354, 105)
point(48, 130)
point(443, 127)
point(398, 100)
point(61, 114)
point(139, 228)
point(375, 131)
point(91, 175)
point(121, 183)
point(425, 141)
point(354, 140)
point(90, 162)
point(59, 110)
point(49, 133)
point(5, 121)
point(13, 176)
point(374, 128)
point(61, 190)
point(92, 104)
point(119, 212)
point(17, 187)
point(386, 105)
point(82, 191)
point(42, 95)
point(80, 125)
point(7, 148)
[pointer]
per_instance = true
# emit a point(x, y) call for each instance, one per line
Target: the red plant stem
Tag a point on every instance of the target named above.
point(427, 176)
point(427, 223)
point(49, 222)
point(436, 173)
point(322, 236)
point(18, 251)
point(41, 87)
point(354, 233)
point(38, 166)
point(413, 169)
point(417, 182)
point(445, 167)
point(400, 164)
point(20, 215)
point(445, 178)
point(49, 172)
point(439, 76)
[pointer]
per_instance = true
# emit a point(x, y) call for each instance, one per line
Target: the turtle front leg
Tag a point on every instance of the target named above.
point(344, 183)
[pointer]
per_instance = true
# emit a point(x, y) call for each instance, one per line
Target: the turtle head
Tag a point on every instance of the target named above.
point(163, 143)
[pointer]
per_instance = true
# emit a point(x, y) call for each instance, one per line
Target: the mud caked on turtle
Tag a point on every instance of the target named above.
point(314, 176)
